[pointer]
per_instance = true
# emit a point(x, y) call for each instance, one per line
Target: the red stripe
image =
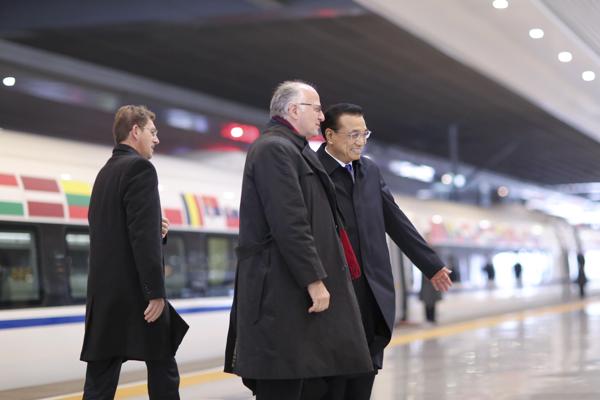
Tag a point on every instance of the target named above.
point(233, 222)
point(173, 215)
point(45, 185)
point(200, 210)
point(78, 212)
point(41, 209)
point(8, 180)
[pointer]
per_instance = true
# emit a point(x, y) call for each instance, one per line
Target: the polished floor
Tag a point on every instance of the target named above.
point(548, 353)
point(521, 343)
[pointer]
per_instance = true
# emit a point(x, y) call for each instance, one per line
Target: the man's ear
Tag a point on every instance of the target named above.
point(328, 134)
point(292, 110)
point(134, 133)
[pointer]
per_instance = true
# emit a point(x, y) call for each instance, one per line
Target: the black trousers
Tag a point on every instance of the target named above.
point(289, 389)
point(355, 387)
point(102, 378)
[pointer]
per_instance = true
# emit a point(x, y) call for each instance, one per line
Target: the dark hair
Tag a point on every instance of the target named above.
point(334, 112)
point(128, 116)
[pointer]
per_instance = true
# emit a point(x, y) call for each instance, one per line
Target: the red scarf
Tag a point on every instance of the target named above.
point(351, 259)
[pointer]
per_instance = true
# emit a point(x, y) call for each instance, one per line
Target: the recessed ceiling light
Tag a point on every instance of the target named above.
point(565, 56)
point(500, 4)
point(503, 191)
point(9, 81)
point(536, 33)
point(447, 179)
point(588, 76)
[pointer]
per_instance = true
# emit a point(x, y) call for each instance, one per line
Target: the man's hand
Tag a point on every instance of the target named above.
point(319, 295)
point(154, 309)
point(164, 227)
point(441, 280)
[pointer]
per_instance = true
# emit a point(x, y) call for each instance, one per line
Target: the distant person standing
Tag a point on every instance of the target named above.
point(127, 316)
point(455, 274)
point(370, 212)
point(295, 319)
point(490, 272)
point(581, 276)
point(429, 296)
point(518, 270)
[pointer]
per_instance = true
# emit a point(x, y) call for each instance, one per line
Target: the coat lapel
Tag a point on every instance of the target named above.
point(313, 160)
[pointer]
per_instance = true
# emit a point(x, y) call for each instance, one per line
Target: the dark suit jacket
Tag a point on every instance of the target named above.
point(126, 267)
point(369, 212)
point(288, 239)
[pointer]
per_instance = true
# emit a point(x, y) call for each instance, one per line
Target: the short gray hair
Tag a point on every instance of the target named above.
point(285, 93)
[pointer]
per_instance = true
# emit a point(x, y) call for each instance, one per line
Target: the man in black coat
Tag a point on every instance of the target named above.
point(369, 212)
point(127, 316)
point(295, 317)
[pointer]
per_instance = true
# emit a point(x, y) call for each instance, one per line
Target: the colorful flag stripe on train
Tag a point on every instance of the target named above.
point(43, 197)
point(40, 184)
point(11, 197)
point(174, 216)
point(233, 217)
point(78, 195)
point(8, 180)
point(193, 211)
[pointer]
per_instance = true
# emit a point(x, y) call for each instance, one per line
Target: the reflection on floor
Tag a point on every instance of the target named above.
point(546, 354)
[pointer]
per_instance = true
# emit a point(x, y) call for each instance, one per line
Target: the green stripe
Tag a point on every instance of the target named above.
point(9, 208)
point(78, 200)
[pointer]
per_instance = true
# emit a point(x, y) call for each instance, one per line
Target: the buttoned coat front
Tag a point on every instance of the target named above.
point(288, 239)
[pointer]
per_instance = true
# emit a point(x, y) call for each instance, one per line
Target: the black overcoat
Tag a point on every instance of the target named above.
point(126, 268)
point(369, 212)
point(288, 239)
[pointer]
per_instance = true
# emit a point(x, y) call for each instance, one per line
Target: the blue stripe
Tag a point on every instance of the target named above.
point(76, 319)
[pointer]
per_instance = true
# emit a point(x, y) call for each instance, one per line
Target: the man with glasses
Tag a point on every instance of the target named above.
point(369, 212)
point(127, 315)
point(295, 316)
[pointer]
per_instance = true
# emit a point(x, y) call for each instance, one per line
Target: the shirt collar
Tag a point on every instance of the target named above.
point(332, 156)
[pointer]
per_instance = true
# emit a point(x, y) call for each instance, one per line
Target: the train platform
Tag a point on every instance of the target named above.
point(519, 344)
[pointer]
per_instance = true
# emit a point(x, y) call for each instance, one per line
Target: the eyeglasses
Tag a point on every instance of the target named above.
point(153, 132)
point(317, 107)
point(356, 135)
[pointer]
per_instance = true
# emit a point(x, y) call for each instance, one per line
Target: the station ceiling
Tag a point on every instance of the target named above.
point(412, 93)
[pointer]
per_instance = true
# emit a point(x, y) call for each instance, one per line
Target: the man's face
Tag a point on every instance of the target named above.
point(308, 114)
point(341, 144)
point(147, 140)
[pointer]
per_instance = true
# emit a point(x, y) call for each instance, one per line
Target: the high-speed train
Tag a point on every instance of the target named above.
point(45, 184)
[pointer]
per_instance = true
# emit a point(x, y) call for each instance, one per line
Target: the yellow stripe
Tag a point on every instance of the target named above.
point(457, 328)
point(140, 389)
point(76, 187)
point(192, 209)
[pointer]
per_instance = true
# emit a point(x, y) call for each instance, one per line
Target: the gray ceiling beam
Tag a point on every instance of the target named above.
point(121, 82)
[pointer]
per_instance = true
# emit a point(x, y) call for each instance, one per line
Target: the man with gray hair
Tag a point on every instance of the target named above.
point(295, 318)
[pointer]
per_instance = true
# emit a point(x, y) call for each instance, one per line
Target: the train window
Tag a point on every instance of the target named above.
point(78, 249)
point(175, 267)
point(221, 265)
point(19, 272)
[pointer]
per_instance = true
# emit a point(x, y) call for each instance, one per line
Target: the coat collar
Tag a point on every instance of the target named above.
point(280, 127)
point(283, 128)
point(122, 149)
point(331, 163)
